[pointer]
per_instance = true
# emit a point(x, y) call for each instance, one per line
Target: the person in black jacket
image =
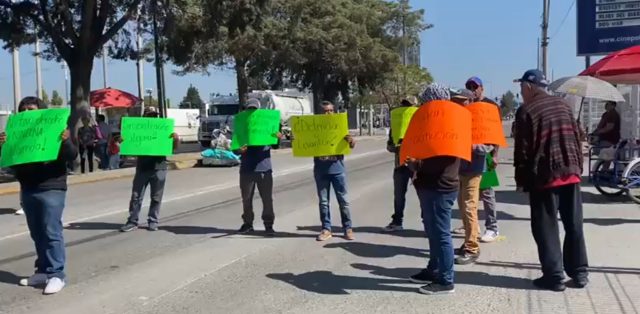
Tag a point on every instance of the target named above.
point(43, 187)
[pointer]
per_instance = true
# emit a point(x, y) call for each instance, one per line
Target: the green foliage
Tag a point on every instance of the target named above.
point(56, 100)
point(405, 80)
point(192, 100)
point(507, 103)
point(45, 97)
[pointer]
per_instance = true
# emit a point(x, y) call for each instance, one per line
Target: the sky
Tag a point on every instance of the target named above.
point(495, 40)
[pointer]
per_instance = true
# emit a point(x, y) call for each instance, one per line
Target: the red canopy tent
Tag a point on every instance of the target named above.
point(622, 67)
point(112, 98)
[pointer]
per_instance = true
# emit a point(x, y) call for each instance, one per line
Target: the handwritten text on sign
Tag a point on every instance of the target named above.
point(438, 128)
point(320, 135)
point(34, 136)
point(147, 137)
point(400, 118)
point(255, 128)
point(486, 125)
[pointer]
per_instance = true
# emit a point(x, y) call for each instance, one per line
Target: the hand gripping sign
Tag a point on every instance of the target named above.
point(438, 128)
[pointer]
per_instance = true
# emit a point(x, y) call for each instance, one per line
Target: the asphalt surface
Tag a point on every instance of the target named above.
point(196, 264)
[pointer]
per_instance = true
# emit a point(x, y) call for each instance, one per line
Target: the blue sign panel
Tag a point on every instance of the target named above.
point(605, 26)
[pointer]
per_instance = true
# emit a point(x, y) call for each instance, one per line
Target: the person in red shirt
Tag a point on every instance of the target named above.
point(608, 130)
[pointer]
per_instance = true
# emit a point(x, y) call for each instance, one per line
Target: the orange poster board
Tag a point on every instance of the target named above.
point(487, 125)
point(438, 128)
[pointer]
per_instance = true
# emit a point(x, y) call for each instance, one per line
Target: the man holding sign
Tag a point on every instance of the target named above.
point(43, 187)
point(400, 118)
point(150, 170)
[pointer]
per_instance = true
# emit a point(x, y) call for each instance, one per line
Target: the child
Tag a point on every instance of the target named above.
point(114, 151)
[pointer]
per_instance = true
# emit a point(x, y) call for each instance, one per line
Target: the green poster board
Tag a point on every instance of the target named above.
point(320, 135)
point(146, 136)
point(255, 128)
point(489, 178)
point(34, 136)
point(400, 118)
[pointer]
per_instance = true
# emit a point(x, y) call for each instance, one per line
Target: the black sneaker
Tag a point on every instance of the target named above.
point(435, 288)
point(153, 226)
point(246, 228)
point(423, 277)
point(580, 282)
point(129, 226)
point(546, 284)
point(466, 258)
point(269, 232)
point(393, 227)
point(459, 251)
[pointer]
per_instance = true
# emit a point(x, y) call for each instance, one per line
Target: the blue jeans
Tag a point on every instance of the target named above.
point(103, 155)
point(436, 217)
point(43, 210)
point(114, 162)
point(401, 177)
point(323, 184)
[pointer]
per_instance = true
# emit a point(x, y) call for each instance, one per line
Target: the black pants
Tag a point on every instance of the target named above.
point(89, 157)
point(545, 205)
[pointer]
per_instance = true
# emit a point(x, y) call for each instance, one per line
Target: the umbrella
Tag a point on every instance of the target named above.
point(112, 98)
point(622, 67)
point(587, 87)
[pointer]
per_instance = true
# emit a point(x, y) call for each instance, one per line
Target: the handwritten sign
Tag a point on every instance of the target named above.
point(33, 136)
point(400, 118)
point(438, 128)
point(486, 124)
point(146, 136)
point(255, 128)
point(320, 135)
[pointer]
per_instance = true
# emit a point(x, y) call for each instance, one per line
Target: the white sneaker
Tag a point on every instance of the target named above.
point(459, 230)
point(19, 211)
point(34, 280)
point(54, 285)
point(489, 236)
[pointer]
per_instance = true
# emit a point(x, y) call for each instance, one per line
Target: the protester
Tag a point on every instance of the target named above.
point(104, 136)
point(150, 171)
point(401, 176)
point(256, 171)
point(488, 195)
point(437, 182)
point(329, 171)
point(114, 151)
point(548, 164)
point(43, 187)
point(87, 139)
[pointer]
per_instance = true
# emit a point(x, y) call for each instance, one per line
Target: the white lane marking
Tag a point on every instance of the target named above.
point(210, 189)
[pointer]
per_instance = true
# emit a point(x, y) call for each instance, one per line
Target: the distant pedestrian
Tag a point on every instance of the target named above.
point(43, 188)
point(113, 151)
point(104, 136)
point(256, 171)
point(329, 171)
point(87, 141)
point(151, 171)
point(436, 180)
point(548, 164)
point(401, 176)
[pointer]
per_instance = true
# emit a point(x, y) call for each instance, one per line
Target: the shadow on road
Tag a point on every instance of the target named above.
point(377, 250)
point(592, 269)
point(326, 282)
point(220, 233)
point(455, 214)
point(519, 198)
point(406, 233)
point(9, 278)
point(7, 211)
point(461, 277)
point(93, 226)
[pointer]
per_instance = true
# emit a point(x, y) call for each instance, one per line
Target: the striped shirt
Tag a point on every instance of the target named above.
point(547, 142)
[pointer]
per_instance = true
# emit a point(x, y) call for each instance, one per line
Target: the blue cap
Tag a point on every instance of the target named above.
point(534, 76)
point(475, 80)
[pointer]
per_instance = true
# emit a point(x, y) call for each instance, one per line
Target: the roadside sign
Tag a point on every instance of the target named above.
point(605, 26)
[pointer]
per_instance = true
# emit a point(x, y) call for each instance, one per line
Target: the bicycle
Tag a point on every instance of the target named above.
point(624, 178)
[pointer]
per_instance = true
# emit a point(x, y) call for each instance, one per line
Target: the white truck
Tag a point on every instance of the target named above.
point(186, 123)
point(220, 111)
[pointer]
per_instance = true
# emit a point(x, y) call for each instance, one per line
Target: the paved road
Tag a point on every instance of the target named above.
point(195, 264)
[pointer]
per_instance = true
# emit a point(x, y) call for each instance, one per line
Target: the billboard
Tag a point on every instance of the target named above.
point(605, 26)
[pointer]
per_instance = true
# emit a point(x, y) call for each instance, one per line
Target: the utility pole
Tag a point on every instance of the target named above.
point(158, 62)
point(104, 66)
point(545, 35)
point(66, 97)
point(587, 62)
point(38, 69)
point(16, 78)
point(538, 50)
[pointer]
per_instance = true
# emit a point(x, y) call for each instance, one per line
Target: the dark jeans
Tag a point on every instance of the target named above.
point(323, 184)
point(103, 155)
point(43, 210)
point(436, 217)
point(143, 178)
point(248, 184)
point(89, 157)
point(545, 205)
point(488, 198)
point(401, 177)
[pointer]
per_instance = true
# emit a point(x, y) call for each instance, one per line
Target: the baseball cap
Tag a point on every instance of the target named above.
point(475, 80)
point(412, 100)
point(252, 104)
point(150, 111)
point(533, 76)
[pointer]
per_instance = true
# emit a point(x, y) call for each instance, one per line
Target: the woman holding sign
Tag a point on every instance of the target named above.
point(43, 187)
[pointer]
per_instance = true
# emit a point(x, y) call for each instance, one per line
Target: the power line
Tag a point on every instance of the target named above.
point(564, 19)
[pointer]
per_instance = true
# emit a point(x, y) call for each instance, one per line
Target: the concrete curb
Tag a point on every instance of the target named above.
point(176, 162)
